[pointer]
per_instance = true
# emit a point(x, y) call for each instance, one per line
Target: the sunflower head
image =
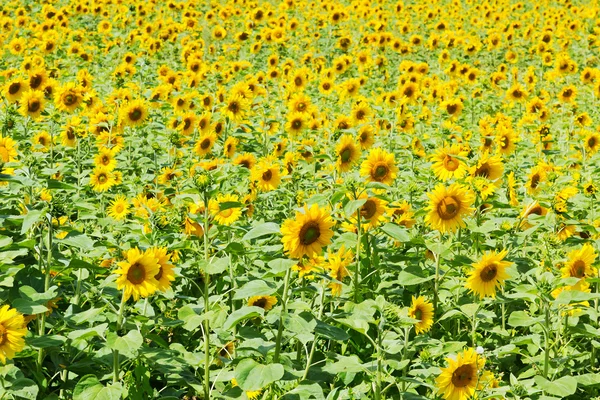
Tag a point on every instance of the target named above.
point(448, 206)
point(308, 233)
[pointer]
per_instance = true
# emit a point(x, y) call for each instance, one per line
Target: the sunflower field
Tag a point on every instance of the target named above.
point(299, 199)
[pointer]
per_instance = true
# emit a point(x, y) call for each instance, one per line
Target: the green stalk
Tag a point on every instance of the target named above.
point(314, 343)
point(357, 268)
point(547, 341)
point(436, 282)
point(205, 322)
point(284, 300)
point(42, 330)
point(474, 327)
point(116, 365)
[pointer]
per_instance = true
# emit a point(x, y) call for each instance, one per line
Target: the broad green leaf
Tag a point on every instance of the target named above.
point(353, 205)
point(90, 388)
point(127, 345)
point(331, 332)
point(79, 240)
point(24, 388)
point(217, 265)
point(40, 342)
point(54, 184)
point(32, 217)
point(268, 228)
point(230, 204)
point(254, 288)
point(251, 375)
point(396, 232)
point(521, 318)
point(280, 265)
point(242, 314)
point(351, 364)
point(563, 387)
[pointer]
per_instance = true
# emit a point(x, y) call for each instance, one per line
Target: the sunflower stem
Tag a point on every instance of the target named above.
point(42, 330)
point(404, 350)
point(357, 268)
point(314, 343)
point(436, 282)
point(284, 299)
point(116, 364)
point(547, 341)
point(474, 327)
point(206, 299)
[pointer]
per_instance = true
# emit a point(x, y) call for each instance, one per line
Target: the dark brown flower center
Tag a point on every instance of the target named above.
point(368, 210)
point(34, 106)
point(262, 302)
point(463, 376)
point(309, 233)
point(267, 175)
point(70, 99)
point(14, 88)
point(297, 124)
point(135, 114)
point(345, 154)
point(205, 144)
point(489, 272)
point(448, 208)
point(450, 163)
point(159, 275)
point(380, 172)
point(578, 269)
point(136, 274)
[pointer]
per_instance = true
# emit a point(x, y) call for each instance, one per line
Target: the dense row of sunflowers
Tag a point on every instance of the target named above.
point(299, 199)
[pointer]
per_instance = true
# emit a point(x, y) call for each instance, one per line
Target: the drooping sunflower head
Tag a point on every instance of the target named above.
point(448, 206)
point(308, 232)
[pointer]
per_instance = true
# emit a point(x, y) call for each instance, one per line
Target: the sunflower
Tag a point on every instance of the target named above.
point(532, 209)
point(380, 166)
point(12, 330)
point(8, 149)
point(264, 302)
point(401, 214)
point(446, 165)
point(567, 94)
point(337, 267)
point(592, 142)
point(448, 206)
point(134, 113)
point(366, 136)
point(205, 143)
point(308, 232)
point(13, 90)
point(32, 103)
point(138, 274)
point(506, 139)
point(516, 93)
point(347, 153)
point(227, 216)
point(105, 158)
point(68, 97)
point(489, 167)
point(230, 146)
point(453, 107)
point(459, 380)
point(102, 179)
point(118, 208)
point(580, 263)
point(266, 174)
point(246, 160)
point(536, 176)
point(422, 310)
point(371, 211)
point(165, 274)
point(235, 108)
point(296, 123)
point(42, 140)
point(488, 274)
point(168, 174)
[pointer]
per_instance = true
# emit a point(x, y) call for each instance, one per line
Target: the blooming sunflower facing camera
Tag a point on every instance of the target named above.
point(489, 273)
point(447, 163)
point(12, 330)
point(580, 263)
point(448, 206)
point(460, 379)
point(380, 166)
point(138, 274)
point(308, 233)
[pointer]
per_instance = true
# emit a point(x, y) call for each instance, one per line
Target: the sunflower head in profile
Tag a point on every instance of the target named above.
point(448, 163)
point(534, 208)
point(592, 142)
point(264, 302)
point(12, 330)
point(137, 274)
point(308, 232)
point(380, 166)
point(347, 152)
point(489, 167)
point(165, 274)
point(371, 211)
point(459, 380)
point(422, 310)
point(448, 206)
point(488, 274)
point(580, 263)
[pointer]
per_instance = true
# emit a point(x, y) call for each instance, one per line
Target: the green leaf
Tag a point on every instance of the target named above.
point(127, 345)
point(226, 205)
point(254, 288)
point(413, 276)
point(280, 265)
point(5, 241)
point(24, 388)
point(79, 240)
point(41, 342)
point(84, 334)
point(76, 264)
point(251, 375)
point(242, 314)
point(396, 232)
point(521, 318)
point(574, 296)
point(268, 228)
point(563, 387)
point(350, 364)
point(190, 318)
point(54, 184)
point(32, 217)
point(353, 205)
point(90, 388)
point(217, 265)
